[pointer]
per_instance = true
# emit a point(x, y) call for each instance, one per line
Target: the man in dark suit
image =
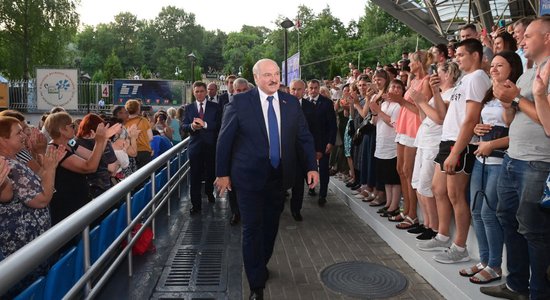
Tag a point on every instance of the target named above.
point(297, 89)
point(326, 118)
point(240, 85)
point(202, 122)
point(257, 155)
point(224, 98)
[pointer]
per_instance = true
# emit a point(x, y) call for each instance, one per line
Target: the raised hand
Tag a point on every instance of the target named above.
point(540, 85)
point(4, 170)
point(505, 91)
point(435, 83)
point(133, 132)
point(417, 97)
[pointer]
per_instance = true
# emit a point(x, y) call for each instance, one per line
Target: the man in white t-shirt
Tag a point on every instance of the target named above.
point(455, 159)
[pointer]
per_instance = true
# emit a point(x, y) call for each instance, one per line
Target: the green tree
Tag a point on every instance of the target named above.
point(36, 32)
point(113, 68)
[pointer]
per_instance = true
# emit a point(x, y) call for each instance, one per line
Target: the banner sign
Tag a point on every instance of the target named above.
point(4, 103)
point(544, 7)
point(293, 68)
point(150, 92)
point(57, 87)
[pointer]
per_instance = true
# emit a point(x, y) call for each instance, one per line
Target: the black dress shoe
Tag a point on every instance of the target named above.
point(256, 294)
point(322, 201)
point(350, 184)
point(356, 187)
point(312, 192)
point(211, 198)
point(235, 219)
point(195, 211)
point(297, 216)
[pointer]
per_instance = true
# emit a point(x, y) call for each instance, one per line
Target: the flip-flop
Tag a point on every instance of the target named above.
point(480, 279)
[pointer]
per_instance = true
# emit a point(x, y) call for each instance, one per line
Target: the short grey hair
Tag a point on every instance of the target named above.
point(256, 67)
point(239, 81)
point(298, 81)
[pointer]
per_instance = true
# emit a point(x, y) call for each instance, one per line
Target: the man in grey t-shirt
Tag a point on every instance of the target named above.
point(522, 179)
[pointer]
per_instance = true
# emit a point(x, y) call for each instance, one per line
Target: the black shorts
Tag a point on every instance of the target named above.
point(466, 159)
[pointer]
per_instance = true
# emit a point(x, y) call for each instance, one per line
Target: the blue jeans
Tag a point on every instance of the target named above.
point(484, 200)
point(526, 227)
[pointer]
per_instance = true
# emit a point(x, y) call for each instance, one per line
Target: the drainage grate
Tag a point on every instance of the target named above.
point(364, 280)
point(198, 264)
point(216, 233)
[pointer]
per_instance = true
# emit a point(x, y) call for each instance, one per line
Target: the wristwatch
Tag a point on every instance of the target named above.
point(515, 102)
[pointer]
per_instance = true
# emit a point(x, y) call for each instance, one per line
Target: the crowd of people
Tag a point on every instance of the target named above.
point(460, 131)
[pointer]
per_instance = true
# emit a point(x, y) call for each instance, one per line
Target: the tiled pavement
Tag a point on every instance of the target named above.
point(329, 235)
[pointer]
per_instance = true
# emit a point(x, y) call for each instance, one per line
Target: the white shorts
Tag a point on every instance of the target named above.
point(405, 140)
point(423, 172)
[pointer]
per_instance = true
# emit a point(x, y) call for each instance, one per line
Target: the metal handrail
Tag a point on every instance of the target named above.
point(16, 266)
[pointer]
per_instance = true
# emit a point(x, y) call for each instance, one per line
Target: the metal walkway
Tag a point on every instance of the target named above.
point(200, 257)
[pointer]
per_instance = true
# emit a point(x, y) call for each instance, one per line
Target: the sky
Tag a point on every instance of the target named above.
point(225, 15)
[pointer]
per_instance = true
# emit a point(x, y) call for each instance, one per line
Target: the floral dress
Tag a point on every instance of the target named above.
point(19, 223)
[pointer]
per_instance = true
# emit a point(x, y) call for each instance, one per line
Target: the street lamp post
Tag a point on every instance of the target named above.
point(192, 58)
point(286, 24)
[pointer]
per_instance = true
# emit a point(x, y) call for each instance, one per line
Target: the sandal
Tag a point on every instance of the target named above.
point(481, 278)
point(390, 213)
point(378, 201)
point(408, 223)
point(471, 271)
point(382, 210)
point(399, 218)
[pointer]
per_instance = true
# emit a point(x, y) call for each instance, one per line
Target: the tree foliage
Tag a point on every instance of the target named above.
point(128, 46)
point(35, 33)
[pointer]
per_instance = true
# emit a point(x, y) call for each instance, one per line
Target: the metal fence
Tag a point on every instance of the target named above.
point(22, 96)
point(14, 267)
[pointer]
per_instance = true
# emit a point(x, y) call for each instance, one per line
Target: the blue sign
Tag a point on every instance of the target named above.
point(150, 92)
point(293, 68)
point(544, 7)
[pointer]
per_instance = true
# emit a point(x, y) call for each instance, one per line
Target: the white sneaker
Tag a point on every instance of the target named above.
point(452, 256)
point(434, 245)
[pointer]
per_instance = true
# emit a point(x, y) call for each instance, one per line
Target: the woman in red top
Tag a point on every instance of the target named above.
point(406, 127)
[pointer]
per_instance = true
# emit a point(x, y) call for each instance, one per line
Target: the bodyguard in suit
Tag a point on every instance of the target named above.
point(257, 155)
point(297, 89)
point(202, 122)
point(224, 98)
point(326, 118)
point(240, 85)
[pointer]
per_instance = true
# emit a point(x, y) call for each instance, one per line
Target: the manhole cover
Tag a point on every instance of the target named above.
point(363, 280)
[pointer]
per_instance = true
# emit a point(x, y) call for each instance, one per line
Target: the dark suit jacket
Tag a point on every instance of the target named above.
point(326, 118)
point(243, 145)
point(223, 99)
point(202, 137)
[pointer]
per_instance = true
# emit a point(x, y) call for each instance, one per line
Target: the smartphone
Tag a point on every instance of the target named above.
point(433, 67)
point(501, 23)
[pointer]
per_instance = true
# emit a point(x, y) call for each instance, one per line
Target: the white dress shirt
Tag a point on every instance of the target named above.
point(198, 104)
point(276, 107)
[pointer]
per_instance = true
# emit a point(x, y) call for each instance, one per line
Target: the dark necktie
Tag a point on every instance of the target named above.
point(201, 111)
point(211, 98)
point(274, 148)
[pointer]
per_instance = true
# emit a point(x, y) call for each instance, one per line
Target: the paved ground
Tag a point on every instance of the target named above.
point(329, 235)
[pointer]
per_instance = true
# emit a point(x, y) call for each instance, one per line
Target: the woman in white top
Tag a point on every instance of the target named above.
point(432, 113)
point(493, 132)
point(385, 154)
